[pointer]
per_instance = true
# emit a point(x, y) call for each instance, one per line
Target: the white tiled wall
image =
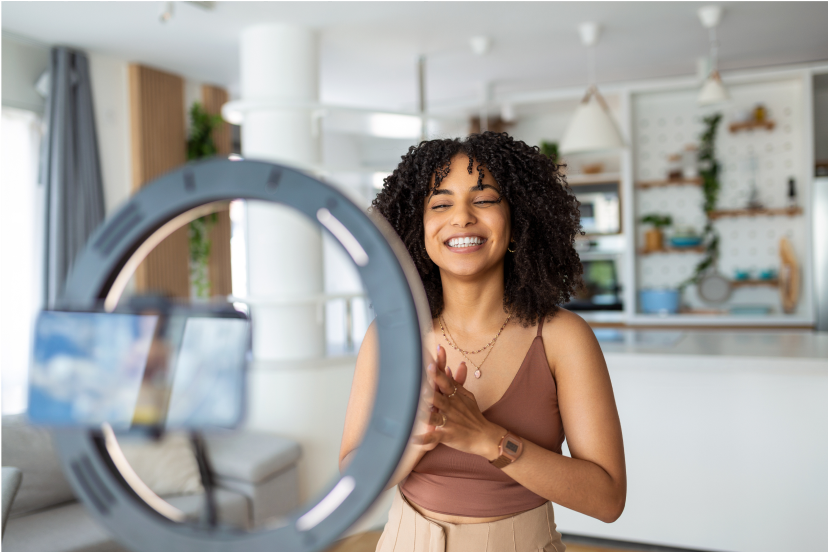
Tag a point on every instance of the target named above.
point(664, 122)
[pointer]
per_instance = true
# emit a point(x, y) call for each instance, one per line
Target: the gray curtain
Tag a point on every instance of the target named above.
point(70, 168)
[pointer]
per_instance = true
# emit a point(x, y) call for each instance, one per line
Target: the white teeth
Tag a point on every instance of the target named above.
point(465, 242)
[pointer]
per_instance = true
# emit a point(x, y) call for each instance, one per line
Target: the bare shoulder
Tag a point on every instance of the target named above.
point(569, 341)
point(567, 322)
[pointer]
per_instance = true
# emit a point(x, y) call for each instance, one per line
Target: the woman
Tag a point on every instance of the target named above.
point(490, 224)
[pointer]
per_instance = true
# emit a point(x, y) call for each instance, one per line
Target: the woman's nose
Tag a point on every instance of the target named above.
point(462, 216)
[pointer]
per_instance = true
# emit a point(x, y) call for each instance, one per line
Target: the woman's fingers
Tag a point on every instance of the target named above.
point(441, 401)
point(441, 358)
point(462, 372)
point(426, 439)
point(436, 419)
point(444, 383)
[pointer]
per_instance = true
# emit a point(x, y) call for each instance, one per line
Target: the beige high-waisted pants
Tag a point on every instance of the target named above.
point(409, 531)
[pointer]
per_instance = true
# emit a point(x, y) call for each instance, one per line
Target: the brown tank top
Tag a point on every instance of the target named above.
point(457, 483)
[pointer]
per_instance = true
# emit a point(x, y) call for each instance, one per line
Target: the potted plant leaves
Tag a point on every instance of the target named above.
point(200, 145)
point(549, 149)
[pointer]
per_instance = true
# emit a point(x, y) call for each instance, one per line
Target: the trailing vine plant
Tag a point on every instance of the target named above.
point(709, 169)
point(200, 145)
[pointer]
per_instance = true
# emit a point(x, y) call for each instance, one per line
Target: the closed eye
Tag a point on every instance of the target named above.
point(487, 202)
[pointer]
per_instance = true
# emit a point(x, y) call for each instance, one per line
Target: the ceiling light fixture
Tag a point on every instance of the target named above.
point(591, 128)
point(168, 12)
point(480, 45)
point(713, 90)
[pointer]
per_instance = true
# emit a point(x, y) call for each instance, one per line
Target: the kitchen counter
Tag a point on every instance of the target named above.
point(725, 437)
point(701, 320)
point(781, 344)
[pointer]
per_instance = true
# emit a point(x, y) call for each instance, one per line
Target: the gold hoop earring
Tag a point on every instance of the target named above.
point(511, 250)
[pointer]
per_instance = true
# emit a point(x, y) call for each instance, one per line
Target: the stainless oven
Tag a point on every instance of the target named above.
point(602, 288)
point(601, 249)
point(600, 208)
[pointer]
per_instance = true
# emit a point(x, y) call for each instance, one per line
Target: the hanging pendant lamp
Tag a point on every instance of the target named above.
point(713, 90)
point(591, 128)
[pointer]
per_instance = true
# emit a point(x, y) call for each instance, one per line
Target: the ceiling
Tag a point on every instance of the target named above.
point(368, 49)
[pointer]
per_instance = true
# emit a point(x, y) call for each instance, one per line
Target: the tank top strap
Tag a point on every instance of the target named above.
point(540, 327)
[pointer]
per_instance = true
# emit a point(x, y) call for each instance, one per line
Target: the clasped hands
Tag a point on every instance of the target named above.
point(449, 414)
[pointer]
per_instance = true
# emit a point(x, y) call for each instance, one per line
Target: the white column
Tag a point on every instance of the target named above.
point(280, 62)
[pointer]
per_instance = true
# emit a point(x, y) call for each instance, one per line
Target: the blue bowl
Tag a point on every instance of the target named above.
point(685, 241)
point(659, 301)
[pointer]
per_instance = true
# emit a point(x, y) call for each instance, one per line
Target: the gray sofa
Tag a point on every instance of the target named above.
point(256, 474)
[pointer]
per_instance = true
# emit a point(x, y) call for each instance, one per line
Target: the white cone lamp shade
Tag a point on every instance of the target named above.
point(713, 90)
point(591, 128)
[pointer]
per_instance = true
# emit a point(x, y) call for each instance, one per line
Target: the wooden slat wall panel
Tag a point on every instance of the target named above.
point(213, 98)
point(221, 282)
point(158, 146)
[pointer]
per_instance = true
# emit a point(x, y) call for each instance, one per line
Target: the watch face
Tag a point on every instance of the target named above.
point(511, 446)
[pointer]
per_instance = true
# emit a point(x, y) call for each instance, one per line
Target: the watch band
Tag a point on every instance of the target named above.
point(501, 462)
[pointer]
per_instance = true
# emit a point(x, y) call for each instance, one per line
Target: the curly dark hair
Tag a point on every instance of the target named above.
point(545, 269)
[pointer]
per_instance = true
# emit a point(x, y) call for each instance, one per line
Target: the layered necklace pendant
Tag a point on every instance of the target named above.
point(490, 345)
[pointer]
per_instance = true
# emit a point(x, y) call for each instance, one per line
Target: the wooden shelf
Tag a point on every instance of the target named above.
point(748, 283)
point(750, 125)
point(598, 178)
point(694, 249)
point(785, 211)
point(676, 182)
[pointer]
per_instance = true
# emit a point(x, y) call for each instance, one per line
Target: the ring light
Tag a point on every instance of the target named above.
point(124, 240)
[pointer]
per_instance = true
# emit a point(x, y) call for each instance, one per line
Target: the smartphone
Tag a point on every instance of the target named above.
point(172, 369)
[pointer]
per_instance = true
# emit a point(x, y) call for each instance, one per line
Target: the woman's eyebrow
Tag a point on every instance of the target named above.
point(441, 191)
point(478, 187)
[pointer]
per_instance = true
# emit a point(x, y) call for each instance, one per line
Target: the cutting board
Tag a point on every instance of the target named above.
point(788, 276)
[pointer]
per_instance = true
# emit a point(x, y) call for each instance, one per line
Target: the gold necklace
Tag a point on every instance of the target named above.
point(490, 343)
point(477, 371)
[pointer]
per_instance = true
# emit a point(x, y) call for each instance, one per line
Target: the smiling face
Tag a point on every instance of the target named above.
point(467, 227)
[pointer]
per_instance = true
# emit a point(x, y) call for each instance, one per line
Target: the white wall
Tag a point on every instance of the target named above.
point(110, 97)
point(23, 62)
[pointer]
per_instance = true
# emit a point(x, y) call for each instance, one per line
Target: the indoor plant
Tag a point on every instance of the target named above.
point(549, 149)
point(200, 145)
point(654, 237)
point(709, 168)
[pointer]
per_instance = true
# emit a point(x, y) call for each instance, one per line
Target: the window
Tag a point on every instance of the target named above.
point(21, 233)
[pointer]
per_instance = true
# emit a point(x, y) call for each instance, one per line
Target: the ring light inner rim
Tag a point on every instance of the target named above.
point(129, 268)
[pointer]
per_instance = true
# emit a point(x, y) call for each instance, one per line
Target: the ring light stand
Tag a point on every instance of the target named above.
point(119, 245)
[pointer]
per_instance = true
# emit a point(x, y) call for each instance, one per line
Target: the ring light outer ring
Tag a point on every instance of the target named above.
point(395, 301)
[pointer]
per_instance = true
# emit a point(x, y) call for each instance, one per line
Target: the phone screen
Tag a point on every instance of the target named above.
point(180, 370)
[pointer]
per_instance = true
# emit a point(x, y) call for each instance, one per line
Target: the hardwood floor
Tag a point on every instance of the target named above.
point(585, 548)
point(361, 542)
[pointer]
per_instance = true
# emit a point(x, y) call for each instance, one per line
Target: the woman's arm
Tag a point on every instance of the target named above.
point(593, 481)
point(361, 402)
